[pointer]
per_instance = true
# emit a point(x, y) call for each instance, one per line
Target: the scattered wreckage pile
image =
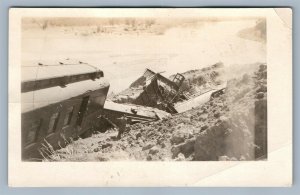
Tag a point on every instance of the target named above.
point(231, 125)
point(154, 90)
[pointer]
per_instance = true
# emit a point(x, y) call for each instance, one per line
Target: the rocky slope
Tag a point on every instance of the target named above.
point(231, 126)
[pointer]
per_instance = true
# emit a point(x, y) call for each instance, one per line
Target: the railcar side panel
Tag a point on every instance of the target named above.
point(58, 122)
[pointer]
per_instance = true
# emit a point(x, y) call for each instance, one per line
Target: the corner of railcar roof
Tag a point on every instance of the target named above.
point(41, 75)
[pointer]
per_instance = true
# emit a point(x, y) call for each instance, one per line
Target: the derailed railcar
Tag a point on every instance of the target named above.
point(59, 102)
point(154, 90)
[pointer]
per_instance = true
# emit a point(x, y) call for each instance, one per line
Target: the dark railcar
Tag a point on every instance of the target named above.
point(59, 102)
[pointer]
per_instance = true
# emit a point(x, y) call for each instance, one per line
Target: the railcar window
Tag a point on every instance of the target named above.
point(82, 109)
point(69, 115)
point(33, 131)
point(53, 122)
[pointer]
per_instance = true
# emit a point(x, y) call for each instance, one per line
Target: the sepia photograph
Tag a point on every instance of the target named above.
point(137, 94)
point(105, 89)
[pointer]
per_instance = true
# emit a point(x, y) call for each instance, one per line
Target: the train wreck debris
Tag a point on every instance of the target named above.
point(134, 113)
point(78, 112)
point(199, 98)
point(154, 90)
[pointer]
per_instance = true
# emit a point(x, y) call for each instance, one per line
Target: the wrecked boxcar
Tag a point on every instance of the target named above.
point(153, 90)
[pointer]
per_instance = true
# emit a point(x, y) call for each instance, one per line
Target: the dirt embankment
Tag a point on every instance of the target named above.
point(239, 127)
point(231, 126)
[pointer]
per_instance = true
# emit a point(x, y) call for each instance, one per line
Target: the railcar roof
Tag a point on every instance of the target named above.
point(52, 69)
point(36, 99)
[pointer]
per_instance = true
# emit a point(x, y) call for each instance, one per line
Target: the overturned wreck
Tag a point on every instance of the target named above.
point(83, 108)
point(60, 101)
point(154, 90)
point(79, 109)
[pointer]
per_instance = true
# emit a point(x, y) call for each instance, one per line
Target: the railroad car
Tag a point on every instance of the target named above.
point(59, 101)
